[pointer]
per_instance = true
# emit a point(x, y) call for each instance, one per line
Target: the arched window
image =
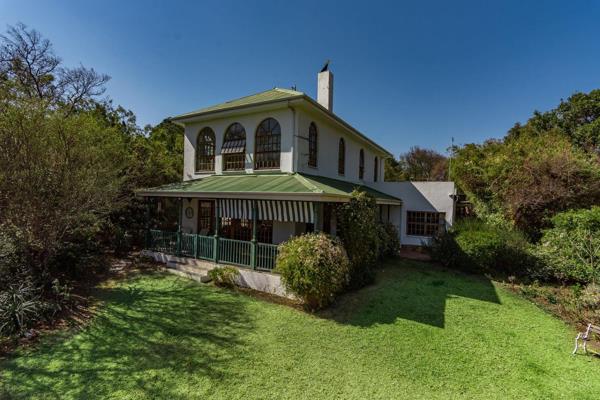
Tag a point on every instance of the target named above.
point(234, 148)
point(312, 145)
point(341, 157)
point(361, 164)
point(376, 170)
point(205, 150)
point(267, 152)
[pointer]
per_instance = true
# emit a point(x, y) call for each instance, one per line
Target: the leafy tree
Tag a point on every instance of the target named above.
point(393, 171)
point(527, 179)
point(417, 164)
point(69, 164)
point(578, 118)
point(358, 228)
point(571, 247)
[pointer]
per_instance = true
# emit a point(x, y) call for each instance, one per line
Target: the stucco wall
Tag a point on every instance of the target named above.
point(189, 225)
point(250, 122)
point(328, 136)
point(419, 196)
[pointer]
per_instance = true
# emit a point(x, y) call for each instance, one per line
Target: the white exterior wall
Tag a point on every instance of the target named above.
point(250, 122)
point(282, 231)
point(419, 196)
point(328, 137)
point(189, 225)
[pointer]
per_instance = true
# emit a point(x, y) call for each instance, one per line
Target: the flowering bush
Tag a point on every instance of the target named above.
point(314, 267)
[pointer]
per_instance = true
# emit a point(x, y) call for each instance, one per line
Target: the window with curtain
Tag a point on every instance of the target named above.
point(205, 150)
point(341, 157)
point(312, 145)
point(361, 164)
point(234, 148)
point(267, 154)
point(376, 170)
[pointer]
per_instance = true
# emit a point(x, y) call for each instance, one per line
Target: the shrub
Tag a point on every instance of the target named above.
point(20, 307)
point(590, 296)
point(389, 241)
point(474, 246)
point(357, 228)
point(314, 267)
point(224, 276)
point(571, 248)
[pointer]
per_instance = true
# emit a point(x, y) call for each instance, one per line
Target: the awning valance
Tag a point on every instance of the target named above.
point(268, 210)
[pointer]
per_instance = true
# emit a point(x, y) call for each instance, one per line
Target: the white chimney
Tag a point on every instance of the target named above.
point(325, 88)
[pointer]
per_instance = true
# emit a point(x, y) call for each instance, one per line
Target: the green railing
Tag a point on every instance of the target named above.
point(235, 252)
point(229, 251)
point(266, 254)
point(164, 242)
point(205, 247)
point(188, 245)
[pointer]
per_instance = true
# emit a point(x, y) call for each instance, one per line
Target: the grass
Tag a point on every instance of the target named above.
point(420, 332)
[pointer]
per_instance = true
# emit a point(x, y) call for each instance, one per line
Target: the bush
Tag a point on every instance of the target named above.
point(224, 276)
point(590, 296)
point(571, 248)
point(21, 307)
point(314, 267)
point(358, 230)
point(389, 241)
point(474, 246)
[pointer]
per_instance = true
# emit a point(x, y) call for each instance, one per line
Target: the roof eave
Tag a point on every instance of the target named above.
point(318, 197)
point(346, 125)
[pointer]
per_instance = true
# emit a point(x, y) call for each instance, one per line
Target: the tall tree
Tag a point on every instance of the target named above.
point(418, 164)
point(29, 66)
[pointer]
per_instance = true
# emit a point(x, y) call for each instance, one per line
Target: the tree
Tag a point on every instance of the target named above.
point(527, 179)
point(578, 118)
point(33, 71)
point(417, 164)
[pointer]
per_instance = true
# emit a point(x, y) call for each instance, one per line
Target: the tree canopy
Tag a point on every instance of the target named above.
point(417, 164)
point(548, 165)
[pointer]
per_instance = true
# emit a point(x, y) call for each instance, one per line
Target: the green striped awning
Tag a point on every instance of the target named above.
point(268, 210)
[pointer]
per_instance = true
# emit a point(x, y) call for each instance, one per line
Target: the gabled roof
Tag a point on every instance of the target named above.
point(267, 186)
point(268, 96)
point(273, 96)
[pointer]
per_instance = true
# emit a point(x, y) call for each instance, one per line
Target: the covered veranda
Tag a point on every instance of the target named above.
point(240, 219)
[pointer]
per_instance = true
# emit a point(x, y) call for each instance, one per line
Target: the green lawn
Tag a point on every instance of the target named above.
point(419, 332)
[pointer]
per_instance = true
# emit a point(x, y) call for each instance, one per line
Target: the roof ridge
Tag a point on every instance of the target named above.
point(307, 183)
point(244, 97)
point(289, 91)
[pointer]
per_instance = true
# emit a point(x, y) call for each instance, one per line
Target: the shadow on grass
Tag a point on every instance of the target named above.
point(411, 290)
point(150, 333)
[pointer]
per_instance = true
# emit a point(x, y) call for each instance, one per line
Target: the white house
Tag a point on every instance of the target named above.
point(263, 168)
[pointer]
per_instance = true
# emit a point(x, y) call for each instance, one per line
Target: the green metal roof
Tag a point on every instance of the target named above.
point(275, 94)
point(266, 186)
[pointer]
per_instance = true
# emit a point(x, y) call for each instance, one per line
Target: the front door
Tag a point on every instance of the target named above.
point(206, 217)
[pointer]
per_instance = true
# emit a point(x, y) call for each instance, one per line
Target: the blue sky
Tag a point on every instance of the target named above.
point(406, 73)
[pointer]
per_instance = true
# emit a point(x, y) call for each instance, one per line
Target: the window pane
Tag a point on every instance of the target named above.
point(234, 148)
point(205, 150)
point(424, 223)
point(341, 157)
point(268, 145)
point(312, 145)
